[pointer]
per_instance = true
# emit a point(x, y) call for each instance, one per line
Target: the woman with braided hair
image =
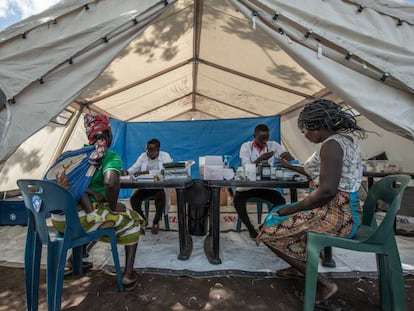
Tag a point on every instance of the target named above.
point(335, 169)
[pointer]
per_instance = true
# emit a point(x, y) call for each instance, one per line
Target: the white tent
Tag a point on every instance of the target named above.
point(181, 60)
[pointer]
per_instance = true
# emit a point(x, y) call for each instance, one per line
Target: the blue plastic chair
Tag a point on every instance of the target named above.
point(371, 237)
point(42, 198)
point(259, 203)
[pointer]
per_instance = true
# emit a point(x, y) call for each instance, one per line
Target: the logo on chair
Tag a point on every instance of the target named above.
point(36, 203)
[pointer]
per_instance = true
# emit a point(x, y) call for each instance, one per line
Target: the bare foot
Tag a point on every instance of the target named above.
point(326, 291)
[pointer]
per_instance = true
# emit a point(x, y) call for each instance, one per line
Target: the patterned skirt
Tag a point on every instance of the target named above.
point(288, 234)
point(129, 226)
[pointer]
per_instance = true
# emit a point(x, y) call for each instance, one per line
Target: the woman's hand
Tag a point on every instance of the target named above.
point(280, 212)
point(120, 207)
point(98, 197)
point(124, 173)
point(288, 209)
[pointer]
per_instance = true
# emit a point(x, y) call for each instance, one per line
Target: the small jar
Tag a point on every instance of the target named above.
point(279, 173)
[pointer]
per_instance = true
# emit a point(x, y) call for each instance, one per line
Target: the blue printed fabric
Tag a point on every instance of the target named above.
point(73, 171)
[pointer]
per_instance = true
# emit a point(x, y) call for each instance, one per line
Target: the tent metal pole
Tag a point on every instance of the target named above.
point(197, 21)
point(321, 94)
point(130, 86)
point(66, 136)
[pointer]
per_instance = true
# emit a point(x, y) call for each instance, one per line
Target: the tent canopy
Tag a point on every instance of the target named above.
point(182, 60)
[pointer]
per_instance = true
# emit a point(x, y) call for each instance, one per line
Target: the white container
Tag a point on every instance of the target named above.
point(239, 173)
point(288, 174)
point(279, 173)
point(211, 168)
point(228, 173)
point(213, 172)
point(272, 173)
point(249, 170)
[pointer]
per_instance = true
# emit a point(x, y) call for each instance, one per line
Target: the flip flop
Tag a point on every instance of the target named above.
point(319, 305)
point(131, 286)
point(326, 305)
point(289, 273)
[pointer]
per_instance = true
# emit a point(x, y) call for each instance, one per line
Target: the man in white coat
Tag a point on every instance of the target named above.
point(254, 152)
point(150, 160)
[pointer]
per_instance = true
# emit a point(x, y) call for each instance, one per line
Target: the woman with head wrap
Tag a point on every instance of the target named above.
point(92, 175)
point(332, 208)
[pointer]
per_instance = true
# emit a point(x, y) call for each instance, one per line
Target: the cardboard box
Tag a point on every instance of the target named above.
point(173, 197)
point(223, 196)
point(211, 167)
point(382, 166)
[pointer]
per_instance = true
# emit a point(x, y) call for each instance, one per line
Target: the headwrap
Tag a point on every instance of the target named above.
point(94, 125)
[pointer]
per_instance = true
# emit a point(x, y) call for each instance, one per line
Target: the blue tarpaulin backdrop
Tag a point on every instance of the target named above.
point(188, 140)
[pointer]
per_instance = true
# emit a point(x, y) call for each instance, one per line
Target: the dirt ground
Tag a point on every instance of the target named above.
point(97, 290)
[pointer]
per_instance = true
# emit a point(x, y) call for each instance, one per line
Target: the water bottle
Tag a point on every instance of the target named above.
point(226, 161)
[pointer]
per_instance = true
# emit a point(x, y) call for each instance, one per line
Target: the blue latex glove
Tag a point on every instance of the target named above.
point(272, 220)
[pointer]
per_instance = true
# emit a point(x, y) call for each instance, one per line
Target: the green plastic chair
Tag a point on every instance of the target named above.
point(42, 198)
point(371, 237)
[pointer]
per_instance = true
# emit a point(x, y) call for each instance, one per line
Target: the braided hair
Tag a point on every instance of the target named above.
point(325, 114)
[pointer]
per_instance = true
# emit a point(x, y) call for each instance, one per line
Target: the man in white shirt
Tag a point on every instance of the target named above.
point(256, 151)
point(151, 160)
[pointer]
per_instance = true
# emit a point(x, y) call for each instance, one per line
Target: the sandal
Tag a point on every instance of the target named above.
point(132, 285)
point(290, 273)
point(155, 229)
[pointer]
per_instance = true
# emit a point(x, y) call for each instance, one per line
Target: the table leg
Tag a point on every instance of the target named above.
point(370, 182)
point(212, 241)
point(293, 195)
point(327, 260)
point(186, 243)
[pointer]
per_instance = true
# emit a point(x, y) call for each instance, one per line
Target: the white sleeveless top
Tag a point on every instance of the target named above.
point(351, 175)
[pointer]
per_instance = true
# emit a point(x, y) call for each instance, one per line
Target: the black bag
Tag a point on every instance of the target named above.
point(198, 199)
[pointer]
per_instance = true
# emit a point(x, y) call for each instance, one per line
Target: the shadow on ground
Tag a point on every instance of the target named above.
point(97, 290)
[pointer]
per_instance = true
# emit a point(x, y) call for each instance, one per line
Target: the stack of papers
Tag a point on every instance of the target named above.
point(177, 170)
point(127, 178)
point(145, 177)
